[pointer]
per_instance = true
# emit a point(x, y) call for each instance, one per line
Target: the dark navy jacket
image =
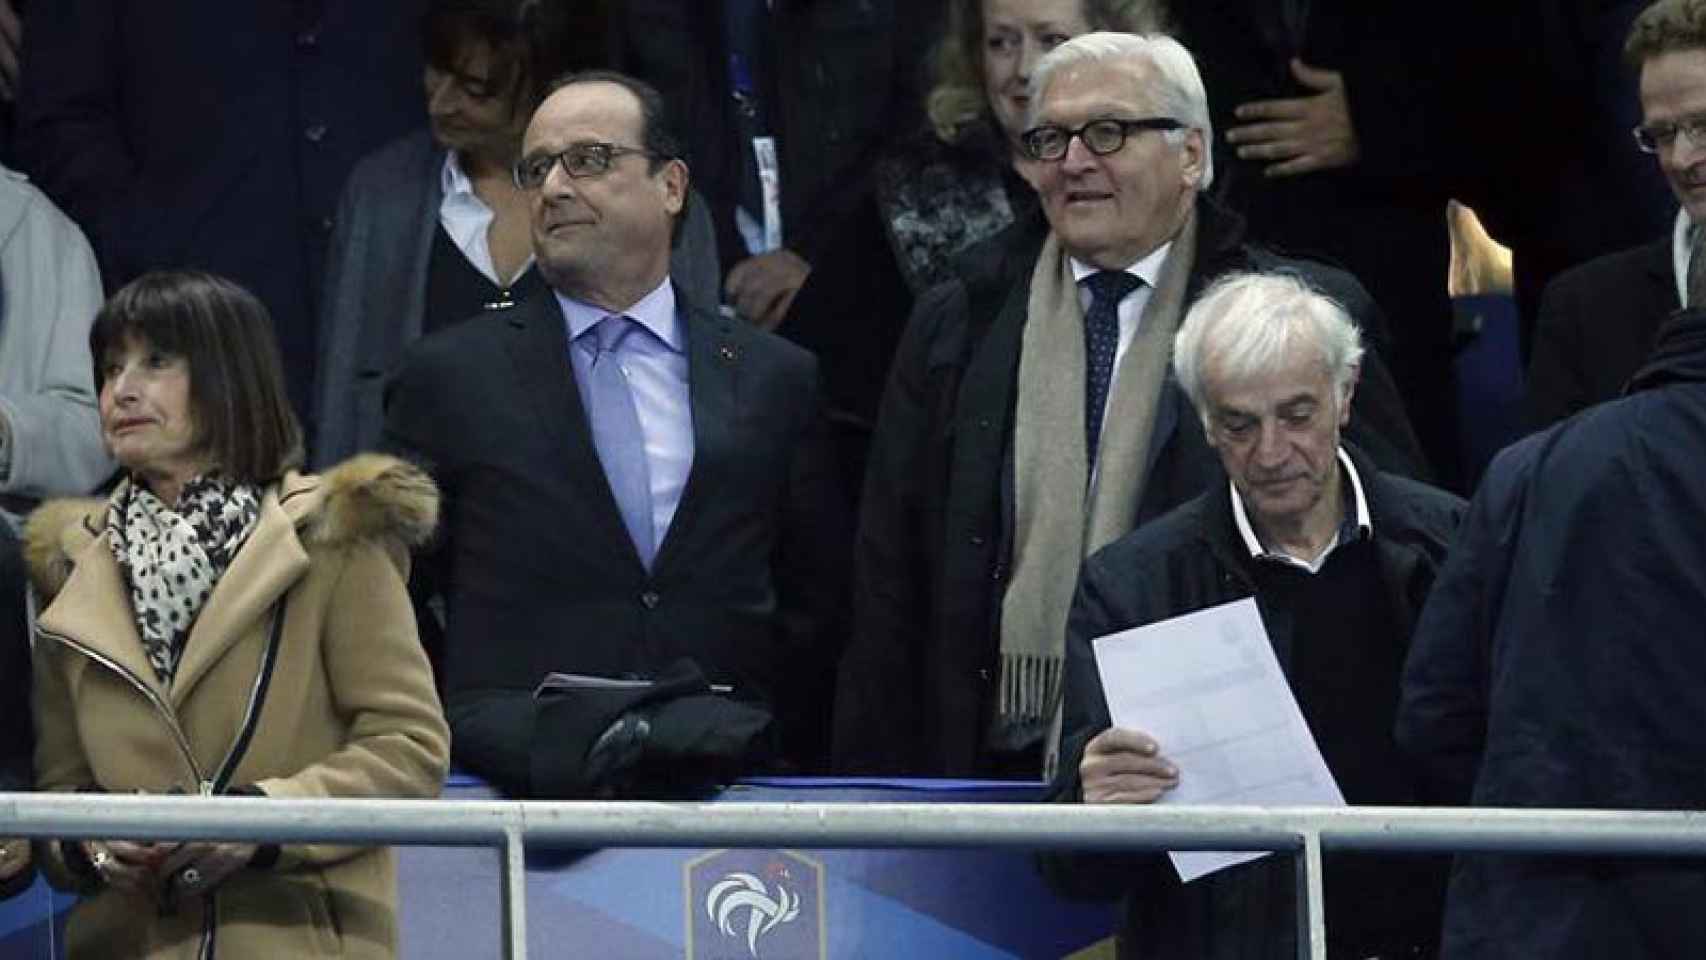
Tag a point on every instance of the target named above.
point(216, 135)
point(1561, 659)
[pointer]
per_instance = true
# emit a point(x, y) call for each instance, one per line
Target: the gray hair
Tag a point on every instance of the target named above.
point(1178, 88)
point(1247, 322)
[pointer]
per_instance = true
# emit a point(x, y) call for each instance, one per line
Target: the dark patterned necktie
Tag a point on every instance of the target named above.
point(1101, 342)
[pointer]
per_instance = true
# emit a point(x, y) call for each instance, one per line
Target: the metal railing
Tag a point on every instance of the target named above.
point(1304, 832)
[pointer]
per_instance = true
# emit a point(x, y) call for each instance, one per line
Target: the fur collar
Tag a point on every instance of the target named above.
point(368, 497)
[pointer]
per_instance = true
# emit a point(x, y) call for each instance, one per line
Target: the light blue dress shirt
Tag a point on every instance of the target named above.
point(654, 359)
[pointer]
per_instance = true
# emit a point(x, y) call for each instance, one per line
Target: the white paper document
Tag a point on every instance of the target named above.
point(1209, 689)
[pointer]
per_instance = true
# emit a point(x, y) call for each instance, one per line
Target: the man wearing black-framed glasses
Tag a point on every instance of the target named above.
point(1598, 321)
point(1031, 417)
point(630, 481)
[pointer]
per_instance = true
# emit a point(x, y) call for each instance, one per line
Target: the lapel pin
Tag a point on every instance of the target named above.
point(727, 353)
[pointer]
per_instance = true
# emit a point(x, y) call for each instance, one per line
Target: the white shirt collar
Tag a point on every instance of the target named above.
point(1681, 235)
point(655, 311)
point(1147, 269)
point(452, 181)
point(1364, 526)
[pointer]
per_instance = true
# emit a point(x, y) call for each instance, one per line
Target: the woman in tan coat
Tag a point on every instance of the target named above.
point(224, 625)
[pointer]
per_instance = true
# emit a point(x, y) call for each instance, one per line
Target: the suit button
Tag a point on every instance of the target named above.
point(307, 40)
point(983, 674)
point(650, 599)
point(976, 541)
point(315, 132)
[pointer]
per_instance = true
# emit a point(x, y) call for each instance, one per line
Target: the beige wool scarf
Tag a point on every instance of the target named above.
point(1061, 514)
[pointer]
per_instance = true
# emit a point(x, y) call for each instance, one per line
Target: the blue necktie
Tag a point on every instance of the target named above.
point(616, 431)
point(1101, 343)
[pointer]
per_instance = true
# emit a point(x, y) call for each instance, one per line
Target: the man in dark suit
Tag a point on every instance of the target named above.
point(628, 479)
point(1598, 321)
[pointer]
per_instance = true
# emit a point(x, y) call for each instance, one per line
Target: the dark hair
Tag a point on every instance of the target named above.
point(657, 134)
point(225, 335)
point(1666, 27)
point(531, 41)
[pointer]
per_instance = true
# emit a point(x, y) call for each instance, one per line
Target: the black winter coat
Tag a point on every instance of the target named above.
point(1190, 560)
point(1560, 664)
point(934, 543)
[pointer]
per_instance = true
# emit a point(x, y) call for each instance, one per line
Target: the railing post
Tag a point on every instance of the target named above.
point(1311, 913)
point(514, 894)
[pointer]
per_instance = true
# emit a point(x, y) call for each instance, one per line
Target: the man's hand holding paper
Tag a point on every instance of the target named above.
point(1125, 766)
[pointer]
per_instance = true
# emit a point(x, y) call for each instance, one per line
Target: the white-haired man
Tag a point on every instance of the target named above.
point(1339, 556)
point(1031, 418)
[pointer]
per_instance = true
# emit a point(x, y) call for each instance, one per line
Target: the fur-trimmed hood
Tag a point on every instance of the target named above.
point(368, 497)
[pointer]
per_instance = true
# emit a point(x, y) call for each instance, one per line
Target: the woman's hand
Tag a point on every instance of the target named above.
point(14, 860)
point(195, 868)
point(125, 864)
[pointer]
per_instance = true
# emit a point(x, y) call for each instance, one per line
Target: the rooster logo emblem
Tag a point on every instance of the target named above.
point(764, 911)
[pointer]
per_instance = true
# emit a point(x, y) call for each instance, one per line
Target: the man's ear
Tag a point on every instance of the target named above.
point(1193, 158)
point(675, 180)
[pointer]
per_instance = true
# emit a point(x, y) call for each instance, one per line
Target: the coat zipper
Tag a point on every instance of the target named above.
point(257, 698)
point(205, 785)
point(221, 779)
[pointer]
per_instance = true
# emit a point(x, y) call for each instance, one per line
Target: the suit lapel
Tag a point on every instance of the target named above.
point(265, 567)
point(1661, 270)
point(539, 352)
point(714, 361)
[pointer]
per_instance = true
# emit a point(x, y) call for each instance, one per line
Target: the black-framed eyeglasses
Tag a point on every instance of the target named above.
point(579, 160)
point(1102, 137)
point(1659, 136)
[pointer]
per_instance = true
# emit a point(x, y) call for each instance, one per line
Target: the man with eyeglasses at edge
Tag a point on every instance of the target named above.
point(628, 478)
point(1032, 417)
point(1598, 321)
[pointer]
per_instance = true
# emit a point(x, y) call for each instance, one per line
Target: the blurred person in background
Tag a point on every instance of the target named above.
point(783, 106)
point(1599, 321)
point(216, 135)
point(50, 435)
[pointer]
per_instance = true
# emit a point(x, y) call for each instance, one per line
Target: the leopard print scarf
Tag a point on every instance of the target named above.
point(172, 556)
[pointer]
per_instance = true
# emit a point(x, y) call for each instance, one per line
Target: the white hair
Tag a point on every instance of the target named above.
point(1249, 322)
point(1178, 87)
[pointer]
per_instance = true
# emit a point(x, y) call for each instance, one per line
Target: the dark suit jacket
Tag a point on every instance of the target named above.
point(1597, 326)
point(535, 568)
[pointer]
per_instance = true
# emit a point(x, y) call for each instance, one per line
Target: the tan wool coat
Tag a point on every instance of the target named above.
point(308, 644)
